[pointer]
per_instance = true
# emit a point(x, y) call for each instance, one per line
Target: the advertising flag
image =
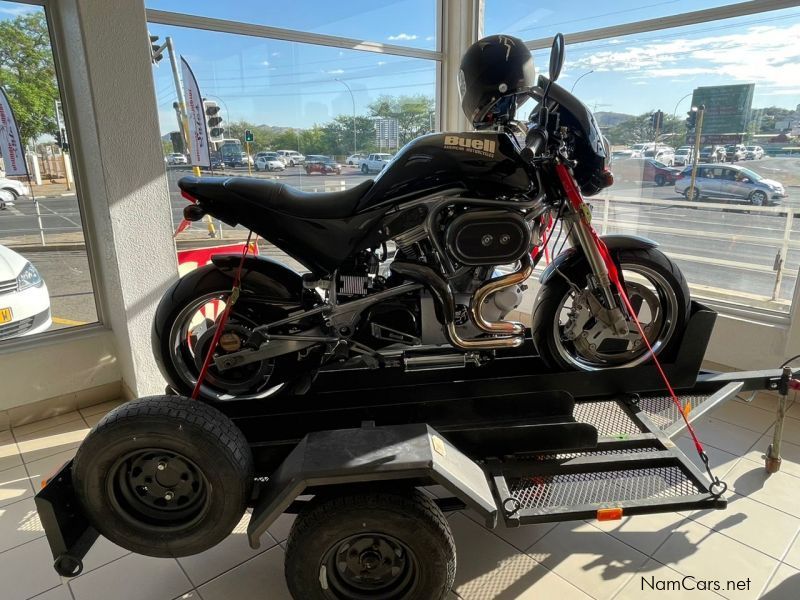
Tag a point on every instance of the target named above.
point(198, 136)
point(10, 143)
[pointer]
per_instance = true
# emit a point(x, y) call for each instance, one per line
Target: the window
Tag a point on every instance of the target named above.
point(299, 100)
point(45, 279)
point(397, 22)
point(735, 238)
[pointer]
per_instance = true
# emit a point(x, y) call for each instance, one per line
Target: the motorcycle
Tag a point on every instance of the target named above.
point(455, 207)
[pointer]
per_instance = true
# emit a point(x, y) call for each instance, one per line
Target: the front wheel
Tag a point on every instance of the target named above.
point(364, 169)
point(569, 335)
point(661, 180)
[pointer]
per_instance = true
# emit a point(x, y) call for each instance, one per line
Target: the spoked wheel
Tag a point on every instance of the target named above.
point(391, 545)
point(571, 331)
point(758, 198)
point(183, 330)
point(164, 476)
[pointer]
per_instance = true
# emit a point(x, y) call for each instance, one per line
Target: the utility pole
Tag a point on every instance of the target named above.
point(173, 62)
point(700, 110)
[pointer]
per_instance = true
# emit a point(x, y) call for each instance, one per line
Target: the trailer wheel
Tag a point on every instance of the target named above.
point(385, 544)
point(164, 476)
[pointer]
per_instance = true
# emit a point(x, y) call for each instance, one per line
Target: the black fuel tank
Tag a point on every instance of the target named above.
point(482, 164)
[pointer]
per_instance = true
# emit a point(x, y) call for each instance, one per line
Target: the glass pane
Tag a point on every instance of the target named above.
point(737, 242)
point(534, 20)
point(316, 113)
point(45, 282)
point(398, 22)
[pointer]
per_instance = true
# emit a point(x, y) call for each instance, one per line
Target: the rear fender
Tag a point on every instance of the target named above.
point(263, 276)
point(574, 257)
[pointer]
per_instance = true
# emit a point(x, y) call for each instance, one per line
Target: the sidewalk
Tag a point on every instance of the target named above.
point(52, 189)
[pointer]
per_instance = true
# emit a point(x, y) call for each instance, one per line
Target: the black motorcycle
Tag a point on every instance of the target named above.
point(404, 268)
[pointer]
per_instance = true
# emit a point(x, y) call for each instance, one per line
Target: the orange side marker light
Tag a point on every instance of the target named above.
point(609, 514)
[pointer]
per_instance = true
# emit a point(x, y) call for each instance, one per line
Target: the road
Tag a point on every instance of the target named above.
point(724, 253)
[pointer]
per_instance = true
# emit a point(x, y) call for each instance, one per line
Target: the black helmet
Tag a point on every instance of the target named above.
point(498, 66)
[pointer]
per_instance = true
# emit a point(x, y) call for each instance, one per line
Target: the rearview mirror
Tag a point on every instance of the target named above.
point(556, 56)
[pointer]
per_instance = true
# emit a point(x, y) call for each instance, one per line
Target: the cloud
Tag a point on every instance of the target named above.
point(428, 38)
point(265, 63)
point(336, 72)
point(381, 63)
point(404, 37)
point(768, 55)
point(275, 54)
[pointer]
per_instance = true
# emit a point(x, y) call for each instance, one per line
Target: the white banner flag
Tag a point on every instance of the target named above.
point(10, 144)
point(198, 136)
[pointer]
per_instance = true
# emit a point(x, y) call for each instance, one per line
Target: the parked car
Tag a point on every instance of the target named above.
point(646, 169)
point(621, 155)
point(683, 156)
point(730, 182)
point(355, 159)
point(663, 154)
point(734, 152)
point(14, 188)
point(322, 164)
point(713, 154)
point(176, 158)
point(375, 162)
point(24, 300)
point(754, 153)
point(269, 161)
point(291, 157)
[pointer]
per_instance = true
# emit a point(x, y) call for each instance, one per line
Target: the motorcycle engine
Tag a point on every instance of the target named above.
point(488, 237)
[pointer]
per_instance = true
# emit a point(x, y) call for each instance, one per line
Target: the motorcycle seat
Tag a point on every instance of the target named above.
point(284, 198)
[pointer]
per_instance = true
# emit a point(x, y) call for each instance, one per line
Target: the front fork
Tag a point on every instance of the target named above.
point(583, 235)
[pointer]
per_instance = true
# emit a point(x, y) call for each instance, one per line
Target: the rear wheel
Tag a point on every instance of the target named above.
point(387, 544)
point(758, 198)
point(569, 335)
point(692, 194)
point(184, 327)
point(364, 169)
point(164, 476)
point(660, 180)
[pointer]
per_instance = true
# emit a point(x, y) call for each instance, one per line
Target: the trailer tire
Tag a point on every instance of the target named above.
point(399, 538)
point(164, 476)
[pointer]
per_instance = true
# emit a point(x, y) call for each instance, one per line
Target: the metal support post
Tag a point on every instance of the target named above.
point(700, 110)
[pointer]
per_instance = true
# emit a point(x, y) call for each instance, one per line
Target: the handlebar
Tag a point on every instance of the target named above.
point(535, 142)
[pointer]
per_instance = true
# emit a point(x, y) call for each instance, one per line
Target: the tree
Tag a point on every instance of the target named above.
point(413, 114)
point(28, 75)
point(338, 135)
point(640, 129)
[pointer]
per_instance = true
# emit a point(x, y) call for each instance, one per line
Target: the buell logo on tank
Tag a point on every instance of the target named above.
point(484, 147)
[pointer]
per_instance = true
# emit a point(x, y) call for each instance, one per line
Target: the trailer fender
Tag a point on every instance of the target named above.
point(571, 257)
point(263, 274)
point(369, 454)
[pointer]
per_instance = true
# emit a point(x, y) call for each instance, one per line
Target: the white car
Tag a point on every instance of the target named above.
point(375, 162)
point(24, 300)
point(291, 157)
point(269, 161)
point(754, 153)
point(355, 159)
point(176, 158)
point(14, 187)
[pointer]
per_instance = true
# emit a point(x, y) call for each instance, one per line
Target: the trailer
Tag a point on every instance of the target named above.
point(511, 440)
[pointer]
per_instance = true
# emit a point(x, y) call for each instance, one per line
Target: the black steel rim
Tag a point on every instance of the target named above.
point(158, 489)
point(370, 565)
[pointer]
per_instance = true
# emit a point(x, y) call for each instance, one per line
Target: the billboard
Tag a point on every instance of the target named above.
point(727, 108)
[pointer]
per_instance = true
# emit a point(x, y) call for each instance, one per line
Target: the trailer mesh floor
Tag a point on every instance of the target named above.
point(577, 489)
point(608, 416)
point(662, 410)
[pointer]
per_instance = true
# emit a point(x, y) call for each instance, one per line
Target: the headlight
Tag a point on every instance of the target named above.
point(29, 277)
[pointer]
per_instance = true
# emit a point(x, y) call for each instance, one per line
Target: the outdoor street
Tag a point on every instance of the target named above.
point(706, 242)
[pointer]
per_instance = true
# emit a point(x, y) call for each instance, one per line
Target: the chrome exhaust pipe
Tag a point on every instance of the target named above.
point(495, 285)
point(444, 296)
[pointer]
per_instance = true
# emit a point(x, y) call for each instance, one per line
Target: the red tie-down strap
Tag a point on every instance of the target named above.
point(575, 198)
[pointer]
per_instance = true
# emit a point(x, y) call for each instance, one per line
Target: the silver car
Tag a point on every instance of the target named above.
point(730, 182)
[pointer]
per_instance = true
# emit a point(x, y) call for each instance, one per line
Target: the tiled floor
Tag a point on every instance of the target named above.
point(756, 540)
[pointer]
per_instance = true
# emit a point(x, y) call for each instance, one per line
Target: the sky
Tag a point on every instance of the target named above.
point(289, 84)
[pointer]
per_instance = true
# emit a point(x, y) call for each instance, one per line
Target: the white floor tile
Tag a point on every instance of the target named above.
point(645, 533)
point(233, 551)
point(790, 455)
point(793, 555)
point(30, 428)
point(757, 525)
point(489, 568)
point(655, 581)
point(725, 436)
point(521, 538)
point(695, 550)
point(784, 585)
point(588, 558)
point(52, 440)
point(19, 524)
point(280, 529)
point(101, 553)
point(27, 570)
point(745, 415)
point(721, 462)
point(14, 485)
point(778, 490)
point(133, 577)
point(100, 409)
point(45, 467)
point(9, 453)
point(59, 593)
point(259, 577)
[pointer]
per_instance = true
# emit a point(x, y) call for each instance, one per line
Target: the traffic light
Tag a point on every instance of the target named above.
point(691, 120)
point(61, 138)
point(657, 120)
point(177, 141)
point(216, 132)
point(248, 135)
point(156, 51)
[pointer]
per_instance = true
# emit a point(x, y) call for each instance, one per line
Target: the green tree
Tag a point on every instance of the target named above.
point(338, 135)
point(27, 73)
point(262, 137)
point(413, 114)
point(640, 129)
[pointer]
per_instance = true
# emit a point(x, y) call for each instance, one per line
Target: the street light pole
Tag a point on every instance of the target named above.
point(353, 99)
point(675, 112)
point(579, 78)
